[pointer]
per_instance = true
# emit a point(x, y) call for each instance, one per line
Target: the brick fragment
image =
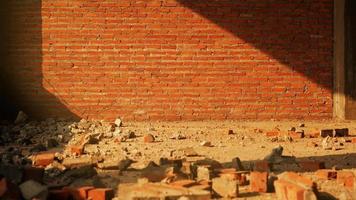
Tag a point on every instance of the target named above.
point(148, 138)
point(76, 149)
point(79, 193)
point(258, 181)
point(101, 194)
point(346, 178)
point(43, 159)
point(288, 191)
point(273, 134)
point(292, 186)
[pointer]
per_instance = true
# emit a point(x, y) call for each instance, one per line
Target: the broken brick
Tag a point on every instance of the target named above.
point(43, 159)
point(101, 194)
point(226, 187)
point(148, 138)
point(289, 191)
point(311, 165)
point(346, 178)
point(258, 181)
point(76, 149)
point(273, 134)
point(295, 178)
point(79, 193)
point(326, 174)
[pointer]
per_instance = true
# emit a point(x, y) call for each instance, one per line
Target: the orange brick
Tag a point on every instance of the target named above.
point(43, 159)
point(346, 178)
point(101, 194)
point(258, 181)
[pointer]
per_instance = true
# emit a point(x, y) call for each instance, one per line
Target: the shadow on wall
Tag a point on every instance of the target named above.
point(301, 39)
point(21, 63)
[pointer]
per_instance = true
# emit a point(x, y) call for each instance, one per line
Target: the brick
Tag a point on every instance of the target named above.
point(148, 138)
point(258, 181)
point(311, 165)
point(346, 178)
point(273, 134)
point(76, 149)
point(79, 193)
point(289, 191)
point(326, 174)
point(33, 173)
point(297, 179)
point(353, 140)
point(101, 194)
point(43, 159)
point(226, 187)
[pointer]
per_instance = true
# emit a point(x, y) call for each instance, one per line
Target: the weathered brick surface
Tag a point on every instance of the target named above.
point(170, 60)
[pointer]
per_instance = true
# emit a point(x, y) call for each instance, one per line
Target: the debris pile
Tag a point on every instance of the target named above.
point(58, 159)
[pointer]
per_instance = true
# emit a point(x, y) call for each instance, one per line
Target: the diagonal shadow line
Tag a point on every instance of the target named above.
point(299, 34)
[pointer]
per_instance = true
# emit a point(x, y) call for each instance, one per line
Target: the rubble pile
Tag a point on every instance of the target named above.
point(58, 159)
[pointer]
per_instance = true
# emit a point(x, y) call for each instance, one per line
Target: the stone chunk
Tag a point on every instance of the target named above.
point(33, 190)
point(77, 162)
point(226, 187)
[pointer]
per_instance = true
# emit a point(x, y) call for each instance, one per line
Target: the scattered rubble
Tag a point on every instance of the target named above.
point(57, 159)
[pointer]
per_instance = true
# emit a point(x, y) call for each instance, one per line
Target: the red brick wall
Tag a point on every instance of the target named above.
point(171, 60)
